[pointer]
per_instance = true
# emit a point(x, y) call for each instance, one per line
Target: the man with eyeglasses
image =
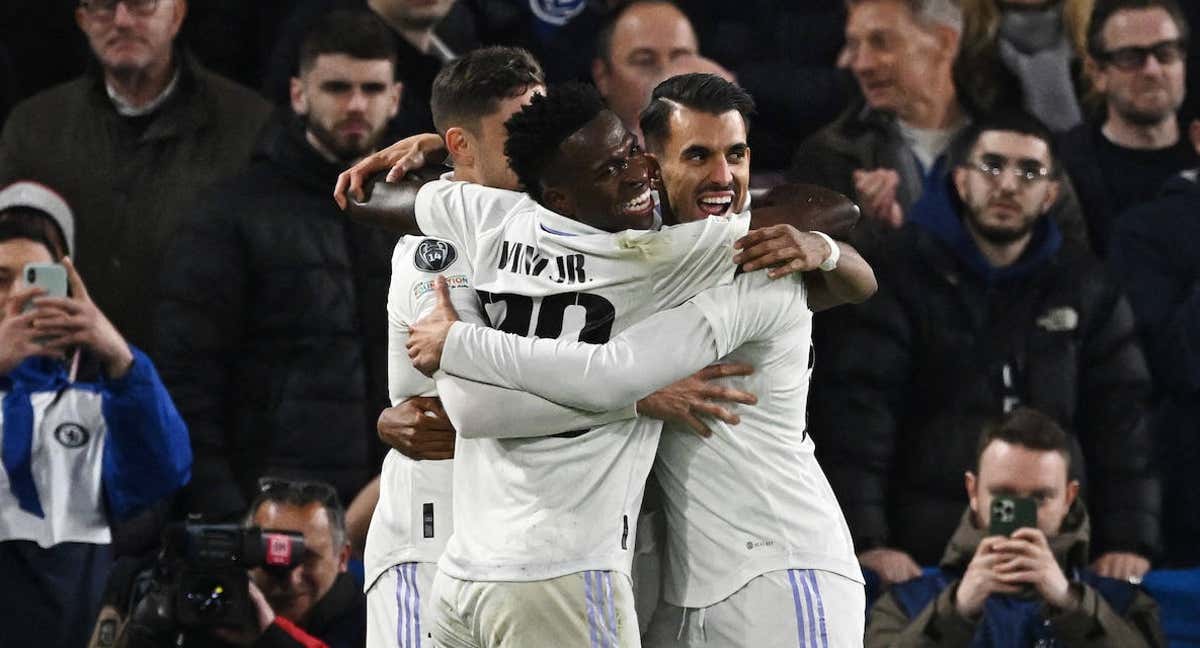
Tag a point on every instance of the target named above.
point(1137, 50)
point(980, 310)
point(130, 144)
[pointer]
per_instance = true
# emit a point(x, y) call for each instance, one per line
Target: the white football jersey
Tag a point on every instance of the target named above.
point(539, 508)
point(413, 517)
point(752, 498)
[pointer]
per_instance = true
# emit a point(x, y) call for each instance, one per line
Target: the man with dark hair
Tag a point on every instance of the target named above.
point(150, 127)
point(1030, 586)
point(317, 600)
point(1137, 50)
point(265, 330)
point(979, 310)
point(574, 156)
point(91, 437)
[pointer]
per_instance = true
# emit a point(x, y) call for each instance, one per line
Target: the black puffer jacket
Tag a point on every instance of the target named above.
point(900, 397)
point(272, 331)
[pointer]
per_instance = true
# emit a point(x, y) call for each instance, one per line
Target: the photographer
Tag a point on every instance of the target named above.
point(1031, 586)
point(90, 435)
point(316, 603)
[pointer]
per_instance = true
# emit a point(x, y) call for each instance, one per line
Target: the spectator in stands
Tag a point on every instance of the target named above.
point(645, 42)
point(90, 435)
point(1137, 49)
point(1025, 55)
point(889, 152)
point(130, 144)
point(1153, 252)
point(270, 328)
point(318, 600)
point(886, 152)
point(426, 35)
point(1031, 587)
point(987, 308)
point(784, 55)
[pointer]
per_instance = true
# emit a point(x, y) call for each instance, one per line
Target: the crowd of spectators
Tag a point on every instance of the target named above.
point(1027, 172)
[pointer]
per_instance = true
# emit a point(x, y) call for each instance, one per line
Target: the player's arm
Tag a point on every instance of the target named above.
point(640, 360)
point(785, 250)
point(475, 409)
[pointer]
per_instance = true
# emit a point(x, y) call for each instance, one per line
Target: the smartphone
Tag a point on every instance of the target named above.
point(1011, 513)
point(51, 277)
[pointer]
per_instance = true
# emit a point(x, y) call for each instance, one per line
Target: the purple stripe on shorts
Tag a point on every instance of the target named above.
point(593, 631)
point(808, 609)
point(612, 609)
point(416, 607)
point(401, 600)
point(812, 578)
point(799, 608)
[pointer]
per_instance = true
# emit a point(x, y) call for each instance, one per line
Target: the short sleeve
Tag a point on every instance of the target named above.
point(696, 255)
point(416, 262)
point(459, 211)
point(753, 307)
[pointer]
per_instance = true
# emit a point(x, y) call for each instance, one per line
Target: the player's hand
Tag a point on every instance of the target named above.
point(876, 191)
point(427, 336)
point(264, 616)
point(408, 154)
point(980, 580)
point(783, 248)
point(18, 337)
point(77, 321)
point(418, 428)
point(1028, 560)
point(892, 565)
point(688, 399)
point(1122, 565)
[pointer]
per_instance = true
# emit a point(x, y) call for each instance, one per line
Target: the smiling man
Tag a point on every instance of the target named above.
point(987, 308)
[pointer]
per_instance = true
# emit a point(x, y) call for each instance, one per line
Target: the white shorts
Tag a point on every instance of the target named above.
point(794, 608)
point(400, 607)
point(584, 610)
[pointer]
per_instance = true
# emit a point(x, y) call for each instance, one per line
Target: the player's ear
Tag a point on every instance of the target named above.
point(460, 146)
point(972, 484)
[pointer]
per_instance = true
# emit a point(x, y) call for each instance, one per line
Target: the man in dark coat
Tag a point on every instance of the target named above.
point(1027, 587)
point(1153, 253)
point(271, 328)
point(980, 310)
point(129, 145)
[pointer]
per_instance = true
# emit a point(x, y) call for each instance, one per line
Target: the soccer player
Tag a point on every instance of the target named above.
point(762, 556)
point(472, 98)
point(543, 525)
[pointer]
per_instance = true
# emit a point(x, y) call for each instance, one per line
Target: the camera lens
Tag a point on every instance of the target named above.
point(30, 275)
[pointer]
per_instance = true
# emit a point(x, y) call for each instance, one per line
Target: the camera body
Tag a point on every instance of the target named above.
point(210, 585)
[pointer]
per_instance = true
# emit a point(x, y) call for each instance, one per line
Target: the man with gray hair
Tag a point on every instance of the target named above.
point(887, 152)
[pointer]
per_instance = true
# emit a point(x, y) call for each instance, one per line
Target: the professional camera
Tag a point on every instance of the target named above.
point(201, 580)
point(211, 587)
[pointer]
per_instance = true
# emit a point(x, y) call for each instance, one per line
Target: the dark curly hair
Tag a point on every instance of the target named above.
point(536, 132)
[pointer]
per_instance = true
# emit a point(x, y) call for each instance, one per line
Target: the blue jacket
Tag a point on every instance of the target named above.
point(76, 456)
point(921, 611)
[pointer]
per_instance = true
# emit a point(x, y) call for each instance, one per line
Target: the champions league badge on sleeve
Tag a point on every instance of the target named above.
point(434, 255)
point(557, 12)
